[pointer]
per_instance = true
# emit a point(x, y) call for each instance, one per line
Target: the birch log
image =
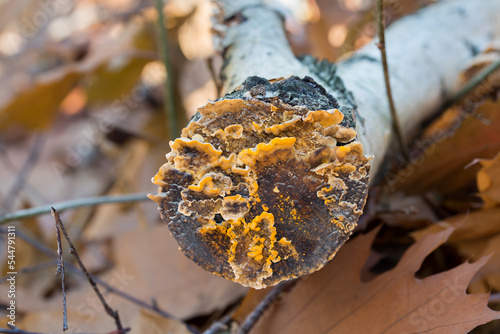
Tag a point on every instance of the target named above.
point(426, 53)
point(267, 183)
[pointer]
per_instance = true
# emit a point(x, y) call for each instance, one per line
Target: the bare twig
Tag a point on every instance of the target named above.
point(60, 271)
point(72, 204)
point(264, 305)
point(169, 83)
point(49, 253)
point(7, 163)
point(220, 325)
point(21, 177)
point(15, 330)
point(31, 269)
point(381, 45)
point(72, 250)
point(472, 84)
point(217, 82)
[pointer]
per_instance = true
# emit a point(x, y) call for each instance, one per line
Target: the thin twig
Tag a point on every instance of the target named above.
point(72, 250)
point(49, 253)
point(220, 325)
point(11, 167)
point(15, 330)
point(268, 300)
point(21, 177)
point(472, 84)
point(31, 269)
point(72, 204)
point(60, 271)
point(217, 82)
point(381, 45)
point(169, 104)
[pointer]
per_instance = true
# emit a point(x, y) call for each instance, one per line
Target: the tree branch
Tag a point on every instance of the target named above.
point(72, 204)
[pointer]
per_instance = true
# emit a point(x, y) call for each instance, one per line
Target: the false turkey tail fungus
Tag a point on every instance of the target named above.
point(266, 183)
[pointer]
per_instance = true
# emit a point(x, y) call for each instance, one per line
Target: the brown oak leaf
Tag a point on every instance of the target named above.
point(336, 299)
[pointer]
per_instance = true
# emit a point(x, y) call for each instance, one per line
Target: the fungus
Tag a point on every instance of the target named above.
point(262, 186)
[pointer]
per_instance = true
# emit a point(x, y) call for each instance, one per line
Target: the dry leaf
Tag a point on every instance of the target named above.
point(146, 322)
point(335, 300)
point(436, 168)
point(488, 277)
point(85, 315)
point(475, 235)
point(159, 270)
point(488, 181)
point(468, 226)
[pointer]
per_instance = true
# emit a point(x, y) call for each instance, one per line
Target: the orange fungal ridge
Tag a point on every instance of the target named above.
point(260, 188)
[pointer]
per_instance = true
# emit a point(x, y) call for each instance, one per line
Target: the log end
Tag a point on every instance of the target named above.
point(265, 184)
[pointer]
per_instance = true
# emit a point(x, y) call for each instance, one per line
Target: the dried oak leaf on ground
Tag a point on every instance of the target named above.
point(477, 233)
point(158, 270)
point(336, 300)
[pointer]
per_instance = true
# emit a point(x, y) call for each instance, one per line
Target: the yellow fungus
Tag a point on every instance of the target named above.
point(249, 156)
point(206, 185)
point(284, 241)
point(256, 127)
point(235, 131)
point(204, 147)
point(325, 117)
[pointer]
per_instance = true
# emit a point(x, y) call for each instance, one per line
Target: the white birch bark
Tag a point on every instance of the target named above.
point(426, 53)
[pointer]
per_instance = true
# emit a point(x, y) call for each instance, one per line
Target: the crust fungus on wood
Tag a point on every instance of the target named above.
point(265, 184)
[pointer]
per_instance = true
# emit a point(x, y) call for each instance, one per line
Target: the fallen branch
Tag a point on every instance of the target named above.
point(113, 314)
point(73, 204)
point(424, 69)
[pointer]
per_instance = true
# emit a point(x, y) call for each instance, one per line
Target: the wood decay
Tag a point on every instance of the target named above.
point(267, 183)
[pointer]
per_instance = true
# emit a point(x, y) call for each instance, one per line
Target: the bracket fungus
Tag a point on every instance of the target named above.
point(266, 183)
